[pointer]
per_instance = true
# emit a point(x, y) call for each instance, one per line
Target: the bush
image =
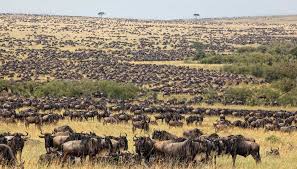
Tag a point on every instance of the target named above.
point(285, 85)
point(265, 95)
point(60, 88)
point(289, 98)
point(237, 93)
point(218, 59)
point(199, 50)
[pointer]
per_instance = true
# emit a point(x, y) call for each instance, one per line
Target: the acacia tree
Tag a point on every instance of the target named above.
point(101, 14)
point(196, 15)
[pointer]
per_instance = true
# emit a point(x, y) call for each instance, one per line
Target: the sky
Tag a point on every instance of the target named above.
point(152, 9)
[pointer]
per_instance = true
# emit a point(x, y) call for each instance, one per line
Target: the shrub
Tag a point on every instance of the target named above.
point(285, 85)
point(289, 98)
point(199, 50)
point(237, 93)
point(60, 88)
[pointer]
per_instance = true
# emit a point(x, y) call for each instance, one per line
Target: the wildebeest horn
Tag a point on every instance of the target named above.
point(135, 138)
point(126, 135)
point(26, 136)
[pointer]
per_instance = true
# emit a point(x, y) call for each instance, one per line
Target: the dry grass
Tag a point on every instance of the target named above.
point(183, 63)
point(286, 142)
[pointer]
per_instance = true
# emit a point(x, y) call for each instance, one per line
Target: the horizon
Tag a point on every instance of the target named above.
point(164, 10)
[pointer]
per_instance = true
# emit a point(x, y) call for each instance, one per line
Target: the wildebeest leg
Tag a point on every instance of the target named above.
point(20, 155)
point(64, 158)
point(233, 159)
point(256, 157)
point(26, 125)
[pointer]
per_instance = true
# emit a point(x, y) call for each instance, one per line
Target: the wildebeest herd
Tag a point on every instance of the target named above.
point(65, 146)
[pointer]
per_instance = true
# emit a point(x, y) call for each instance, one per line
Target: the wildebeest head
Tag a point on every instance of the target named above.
point(18, 141)
point(123, 141)
point(48, 141)
point(143, 146)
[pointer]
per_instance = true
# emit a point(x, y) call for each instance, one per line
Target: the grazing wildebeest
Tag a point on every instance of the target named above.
point(162, 135)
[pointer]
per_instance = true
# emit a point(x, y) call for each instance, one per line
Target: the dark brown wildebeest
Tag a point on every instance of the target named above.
point(144, 147)
point(142, 125)
point(194, 118)
point(17, 142)
point(48, 141)
point(174, 123)
point(238, 145)
point(119, 143)
point(48, 158)
point(159, 117)
point(7, 158)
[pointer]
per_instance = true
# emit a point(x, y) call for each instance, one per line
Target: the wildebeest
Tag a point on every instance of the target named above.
point(7, 158)
point(144, 147)
point(119, 143)
point(174, 123)
point(80, 148)
point(111, 120)
point(49, 158)
point(238, 145)
point(142, 125)
point(184, 151)
point(163, 135)
point(194, 118)
point(194, 133)
point(17, 141)
point(64, 128)
point(37, 120)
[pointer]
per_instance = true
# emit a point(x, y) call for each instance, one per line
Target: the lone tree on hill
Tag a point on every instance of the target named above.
point(101, 14)
point(196, 15)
